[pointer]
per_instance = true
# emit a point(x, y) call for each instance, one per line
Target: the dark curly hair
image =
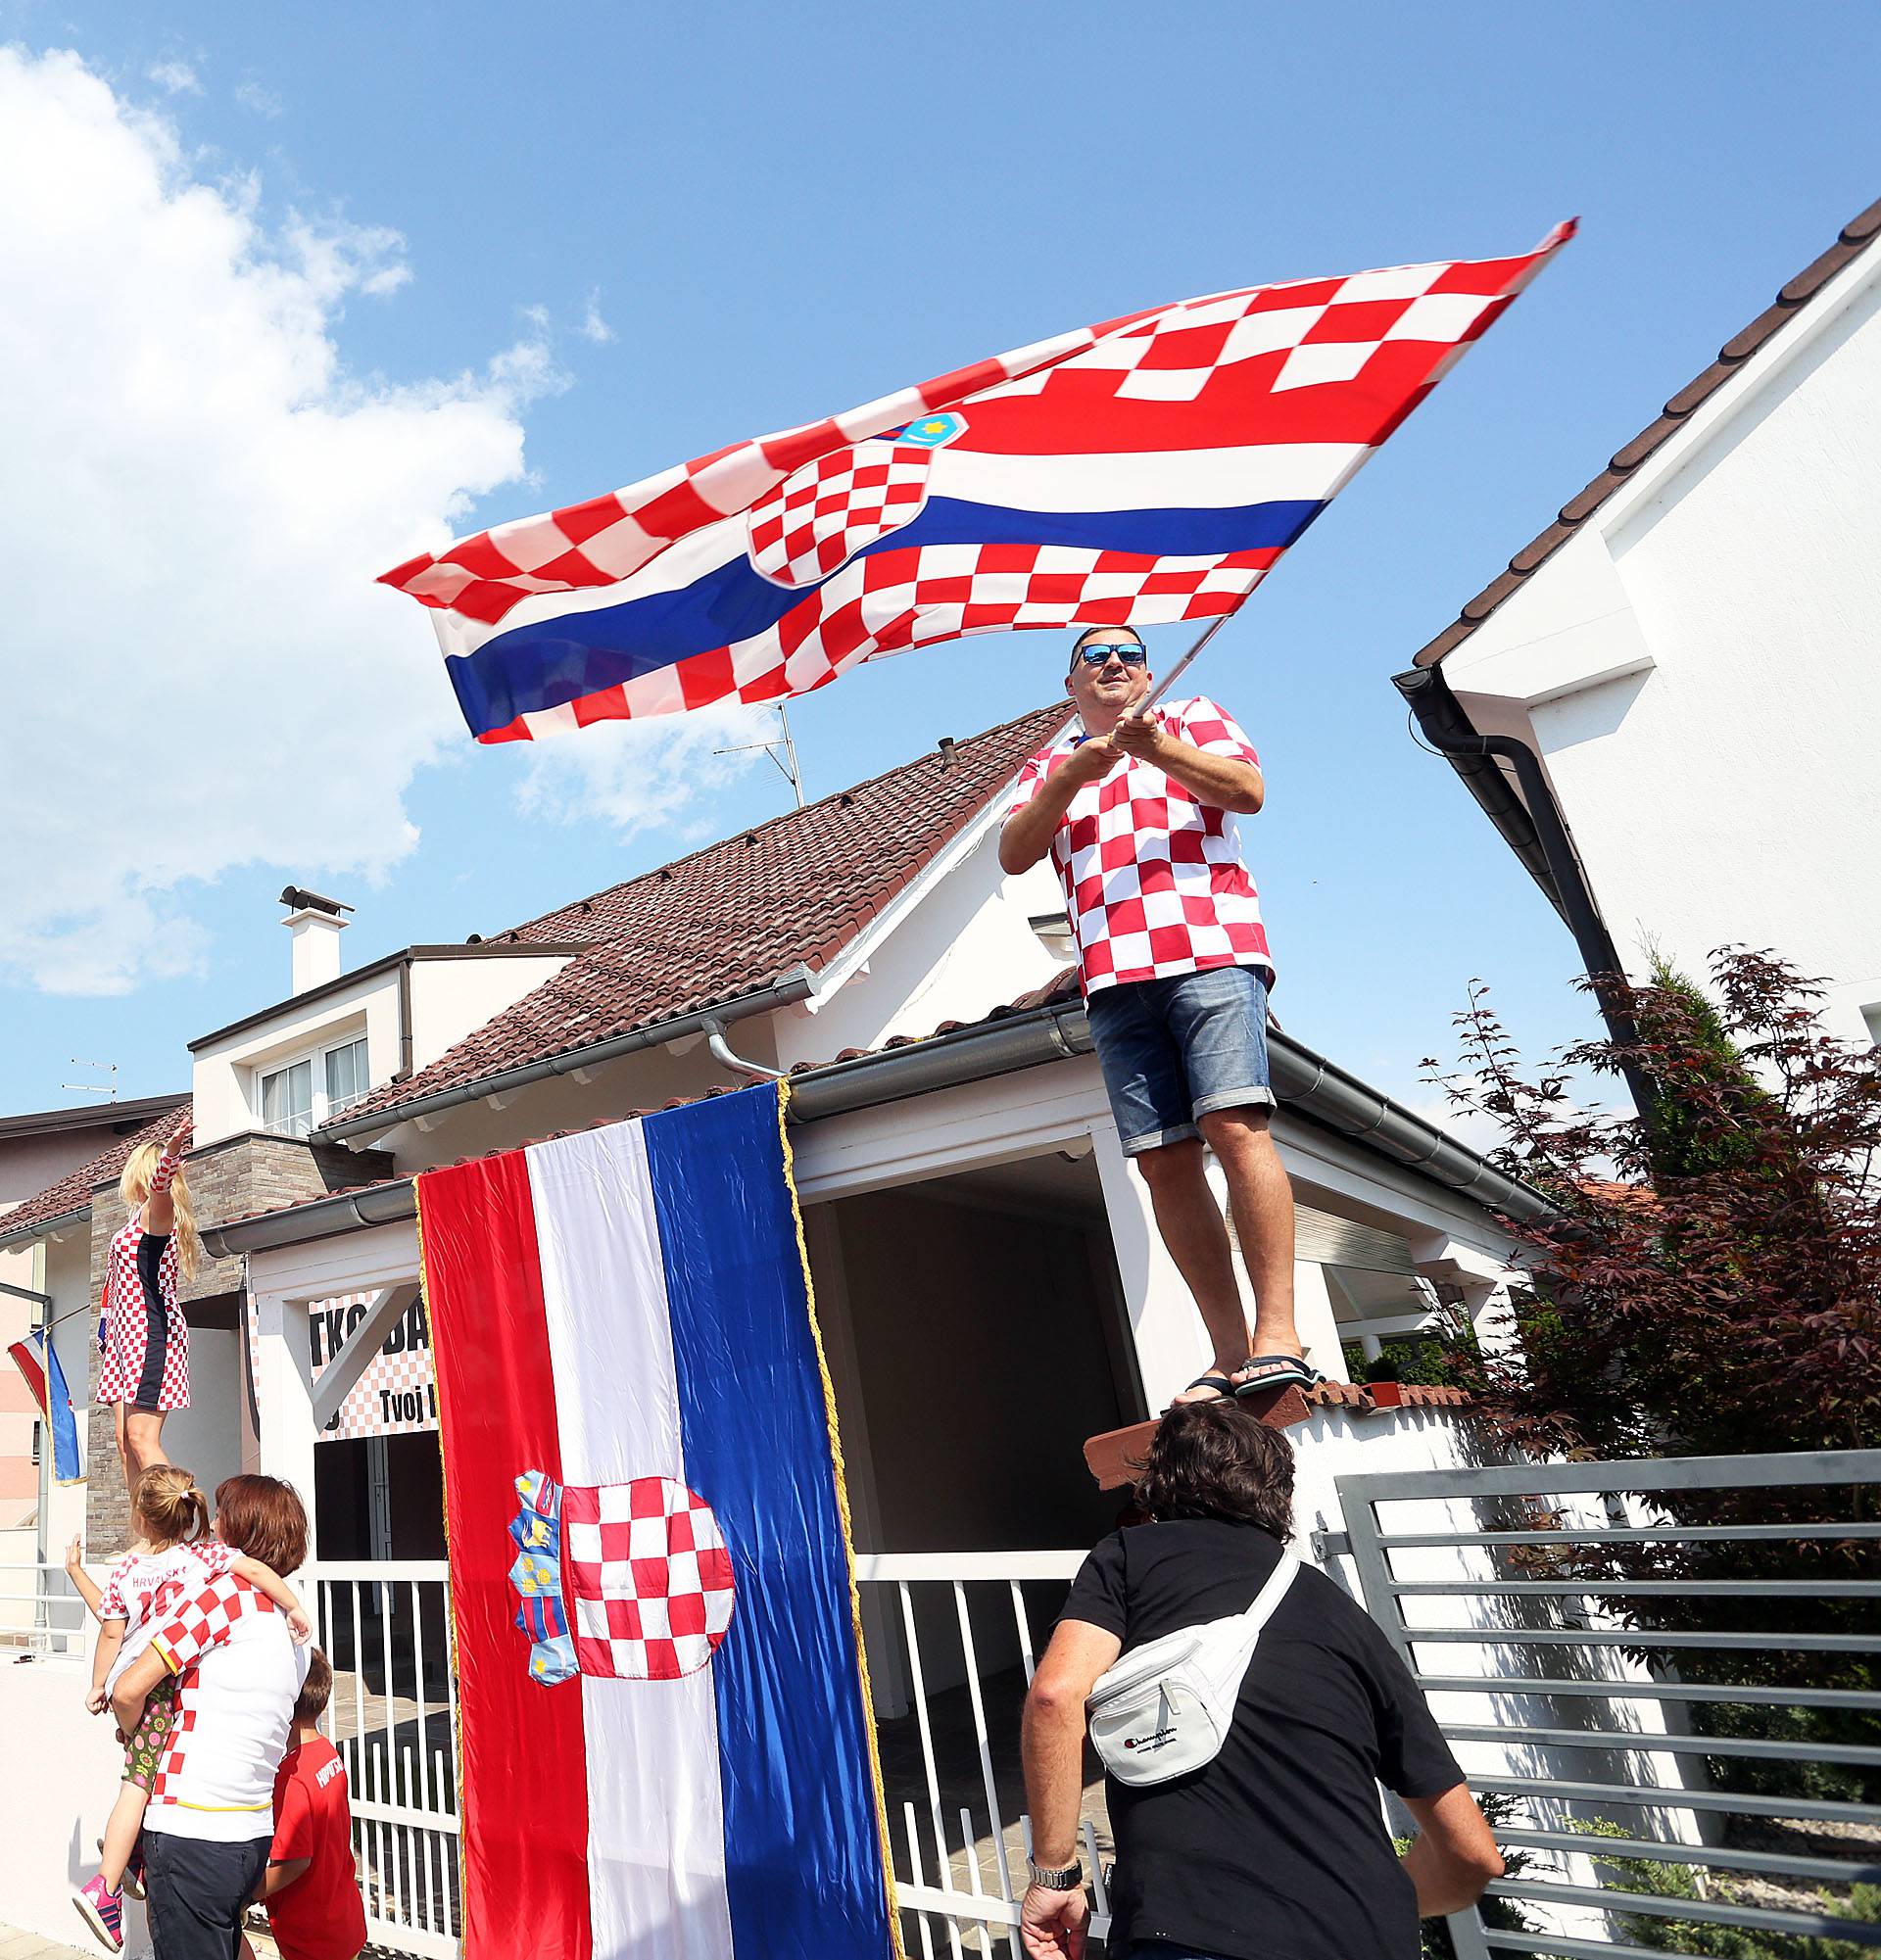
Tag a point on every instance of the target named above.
point(1217, 1459)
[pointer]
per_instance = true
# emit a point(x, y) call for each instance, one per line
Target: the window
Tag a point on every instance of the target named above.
point(346, 1077)
point(287, 1100)
point(297, 1097)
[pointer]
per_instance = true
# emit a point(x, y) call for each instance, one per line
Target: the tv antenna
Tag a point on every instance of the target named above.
point(786, 761)
point(108, 1089)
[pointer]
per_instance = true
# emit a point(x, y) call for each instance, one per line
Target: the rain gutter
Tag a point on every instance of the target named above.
point(1537, 816)
point(795, 984)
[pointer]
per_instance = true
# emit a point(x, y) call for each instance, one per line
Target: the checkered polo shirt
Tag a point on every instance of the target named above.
point(1154, 882)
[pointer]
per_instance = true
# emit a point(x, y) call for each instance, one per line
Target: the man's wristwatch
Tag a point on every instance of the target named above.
point(1056, 1877)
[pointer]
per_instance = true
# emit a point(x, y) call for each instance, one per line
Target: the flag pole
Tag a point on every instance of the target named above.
point(1175, 674)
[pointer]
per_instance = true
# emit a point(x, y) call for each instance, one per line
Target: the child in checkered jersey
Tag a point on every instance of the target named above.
point(174, 1554)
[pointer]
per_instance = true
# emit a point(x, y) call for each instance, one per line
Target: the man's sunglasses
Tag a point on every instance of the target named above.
point(1101, 656)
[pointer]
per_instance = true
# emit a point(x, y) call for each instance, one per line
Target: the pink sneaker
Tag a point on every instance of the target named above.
point(102, 1911)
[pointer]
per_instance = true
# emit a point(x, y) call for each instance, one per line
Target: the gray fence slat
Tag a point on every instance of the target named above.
point(1657, 1473)
point(1835, 1871)
point(1631, 1535)
point(1656, 1796)
point(1753, 1918)
point(1762, 1642)
point(1640, 1589)
point(1571, 1950)
point(1860, 1699)
point(1630, 1742)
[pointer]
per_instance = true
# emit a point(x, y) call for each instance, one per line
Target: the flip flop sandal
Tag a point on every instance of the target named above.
point(1278, 1371)
point(1213, 1378)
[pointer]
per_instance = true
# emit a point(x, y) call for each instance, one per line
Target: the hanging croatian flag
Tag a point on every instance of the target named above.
point(666, 1744)
point(1149, 469)
point(37, 1360)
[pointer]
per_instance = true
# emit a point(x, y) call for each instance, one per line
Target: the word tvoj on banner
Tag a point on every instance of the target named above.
point(665, 1729)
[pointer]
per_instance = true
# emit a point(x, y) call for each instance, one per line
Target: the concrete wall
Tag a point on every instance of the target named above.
point(62, 1775)
point(1698, 667)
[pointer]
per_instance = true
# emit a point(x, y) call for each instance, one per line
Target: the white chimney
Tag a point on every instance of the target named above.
point(315, 924)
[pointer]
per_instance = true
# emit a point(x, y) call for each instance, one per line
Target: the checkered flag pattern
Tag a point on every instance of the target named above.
point(206, 1621)
point(121, 1367)
point(1153, 878)
point(649, 1578)
point(818, 518)
point(209, 1618)
point(1316, 374)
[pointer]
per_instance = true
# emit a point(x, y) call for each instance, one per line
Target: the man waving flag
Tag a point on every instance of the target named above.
point(1149, 469)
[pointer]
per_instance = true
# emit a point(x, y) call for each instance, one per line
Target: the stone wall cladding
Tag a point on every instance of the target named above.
point(229, 1179)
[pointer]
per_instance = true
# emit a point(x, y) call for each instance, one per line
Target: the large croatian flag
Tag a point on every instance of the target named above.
point(1148, 469)
point(666, 1749)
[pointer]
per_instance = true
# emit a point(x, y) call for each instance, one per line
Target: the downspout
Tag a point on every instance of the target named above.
point(722, 1051)
point(405, 1021)
point(1445, 726)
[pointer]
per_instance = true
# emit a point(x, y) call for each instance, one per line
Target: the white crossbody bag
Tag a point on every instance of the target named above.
point(1165, 1708)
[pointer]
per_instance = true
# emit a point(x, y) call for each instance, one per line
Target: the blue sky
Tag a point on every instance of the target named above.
point(671, 229)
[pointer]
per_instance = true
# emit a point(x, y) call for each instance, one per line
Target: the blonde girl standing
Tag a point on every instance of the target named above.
point(145, 1369)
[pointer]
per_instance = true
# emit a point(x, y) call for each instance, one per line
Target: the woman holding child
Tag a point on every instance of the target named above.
point(222, 1658)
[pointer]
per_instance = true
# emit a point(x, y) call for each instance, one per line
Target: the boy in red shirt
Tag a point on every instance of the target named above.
point(312, 1891)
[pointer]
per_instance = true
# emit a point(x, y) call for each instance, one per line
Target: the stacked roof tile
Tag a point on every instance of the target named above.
point(73, 1192)
point(729, 920)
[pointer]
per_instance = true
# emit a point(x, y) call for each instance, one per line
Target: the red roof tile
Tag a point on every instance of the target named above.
point(1853, 239)
point(73, 1192)
point(729, 920)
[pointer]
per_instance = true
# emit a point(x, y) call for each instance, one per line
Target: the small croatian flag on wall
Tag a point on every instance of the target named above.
point(37, 1361)
point(1151, 468)
point(666, 1746)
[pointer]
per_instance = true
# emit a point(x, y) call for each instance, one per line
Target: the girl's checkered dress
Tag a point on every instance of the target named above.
point(134, 1308)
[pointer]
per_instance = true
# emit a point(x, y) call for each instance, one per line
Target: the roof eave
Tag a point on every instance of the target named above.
point(1739, 354)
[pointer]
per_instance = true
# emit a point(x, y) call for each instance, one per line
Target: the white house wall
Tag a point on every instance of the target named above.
point(451, 998)
point(1699, 668)
point(965, 949)
point(222, 1082)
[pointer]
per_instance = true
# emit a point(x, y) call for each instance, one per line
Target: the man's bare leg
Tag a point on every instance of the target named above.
point(1196, 1236)
point(1261, 1198)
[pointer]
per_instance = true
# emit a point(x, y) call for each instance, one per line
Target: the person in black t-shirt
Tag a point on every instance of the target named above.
point(1278, 1850)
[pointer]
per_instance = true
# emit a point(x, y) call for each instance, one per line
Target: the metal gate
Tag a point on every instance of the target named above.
point(1553, 1614)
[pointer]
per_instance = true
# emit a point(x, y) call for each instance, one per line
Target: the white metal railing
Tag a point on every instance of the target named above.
point(952, 1639)
point(393, 1718)
point(40, 1610)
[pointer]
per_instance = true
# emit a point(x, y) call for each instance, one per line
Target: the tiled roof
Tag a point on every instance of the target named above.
point(729, 920)
point(73, 1192)
point(1853, 239)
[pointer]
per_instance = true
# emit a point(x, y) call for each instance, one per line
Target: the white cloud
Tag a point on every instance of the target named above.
point(257, 100)
point(593, 326)
point(640, 775)
point(175, 77)
point(196, 496)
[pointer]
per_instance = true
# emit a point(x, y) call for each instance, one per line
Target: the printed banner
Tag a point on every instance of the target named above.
point(666, 1744)
point(395, 1396)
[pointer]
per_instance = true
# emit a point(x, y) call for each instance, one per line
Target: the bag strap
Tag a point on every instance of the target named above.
point(1271, 1593)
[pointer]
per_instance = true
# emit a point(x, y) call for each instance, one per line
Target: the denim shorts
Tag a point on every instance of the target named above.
point(1172, 1050)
